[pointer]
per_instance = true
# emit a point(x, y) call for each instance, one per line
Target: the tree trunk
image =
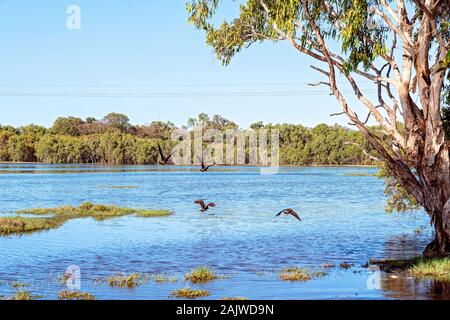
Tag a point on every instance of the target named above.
point(440, 218)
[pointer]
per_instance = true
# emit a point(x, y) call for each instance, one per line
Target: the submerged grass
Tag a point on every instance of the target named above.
point(159, 278)
point(58, 216)
point(300, 274)
point(75, 295)
point(189, 293)
point(201, 274)
point(23, 295)
point(125, 281)
point(295, 274)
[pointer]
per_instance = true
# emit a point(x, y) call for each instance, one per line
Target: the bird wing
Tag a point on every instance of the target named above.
point(211, 204)
point(279, 213)
point(201, 203)
point(295, 214)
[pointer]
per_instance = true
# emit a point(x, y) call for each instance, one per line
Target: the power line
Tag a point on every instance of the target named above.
point(168, 94)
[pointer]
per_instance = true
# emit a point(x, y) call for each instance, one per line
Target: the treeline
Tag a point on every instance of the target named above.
point(113, 140)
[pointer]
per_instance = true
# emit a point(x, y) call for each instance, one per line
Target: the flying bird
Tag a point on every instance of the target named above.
point(289, 212)
point(203, 206)
point(204, 167)
point(164, 159)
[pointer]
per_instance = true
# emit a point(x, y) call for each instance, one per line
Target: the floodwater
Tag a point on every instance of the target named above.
point(343, 221)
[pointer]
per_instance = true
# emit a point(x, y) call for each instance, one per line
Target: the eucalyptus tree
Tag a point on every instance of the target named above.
point(405, 54)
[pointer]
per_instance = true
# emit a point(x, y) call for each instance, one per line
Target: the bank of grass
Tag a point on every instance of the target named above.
point(21, 225)
point(188, 293)
point(55, 217)
point(95, 211)
point(125, 281)
point(294, 274)
point(418, 267)
point(201, 275)
point(75, 295)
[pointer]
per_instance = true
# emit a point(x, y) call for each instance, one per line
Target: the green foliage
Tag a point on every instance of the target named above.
point(361, 42)
point(398, 198)
point(67, 126)
point(118, 121)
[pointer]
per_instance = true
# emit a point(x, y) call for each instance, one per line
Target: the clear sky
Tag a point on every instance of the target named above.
point(143, 59)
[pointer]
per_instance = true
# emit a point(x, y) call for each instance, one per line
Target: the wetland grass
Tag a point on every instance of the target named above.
point(21, 225)
point(418, 267)
point(188, 293)
point(159, 278)
point(95, 211)
point(125, 281)
point(56, 217)
point(75, 295)
point(299, 274)
point(201, 275)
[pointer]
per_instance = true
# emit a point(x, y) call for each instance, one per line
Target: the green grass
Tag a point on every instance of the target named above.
point(438, 269)
point(189, 293)
point(21, 225)
point(95, 211)
point(299, 274)
point(201, 274)
point(23, 295)
point(159, 278)
point(56, 217)
point(75, 295)
point(125, 281)
point(153, 213)
point(295, 274)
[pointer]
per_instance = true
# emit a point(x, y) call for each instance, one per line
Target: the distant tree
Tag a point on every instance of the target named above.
point(118, 121)
point(257, 125)
point(67, 126)
point(91, 120)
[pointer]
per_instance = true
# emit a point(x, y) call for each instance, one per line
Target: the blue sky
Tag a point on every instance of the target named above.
point(142, 47)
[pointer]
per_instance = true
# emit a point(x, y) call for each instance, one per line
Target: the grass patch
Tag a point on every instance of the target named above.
point(60, 215)
point(95, 211)
point(295, 274)
point(438, 269)
point(153, 213)
point(201, 274)
point(300, 274)
point(21, 225)
point(189, 293)
point(75, 295)
point(23, 295)
point(159, 278)
point(125, 281)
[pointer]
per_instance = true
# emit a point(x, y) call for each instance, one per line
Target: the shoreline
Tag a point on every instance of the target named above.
point(193, 165)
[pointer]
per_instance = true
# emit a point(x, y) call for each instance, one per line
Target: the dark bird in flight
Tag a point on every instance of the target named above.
point(289, 212)
point(204, 206)
point(204, 167)
point(164, 159)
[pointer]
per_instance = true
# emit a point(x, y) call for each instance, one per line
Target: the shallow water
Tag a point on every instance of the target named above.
point(343, 220)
